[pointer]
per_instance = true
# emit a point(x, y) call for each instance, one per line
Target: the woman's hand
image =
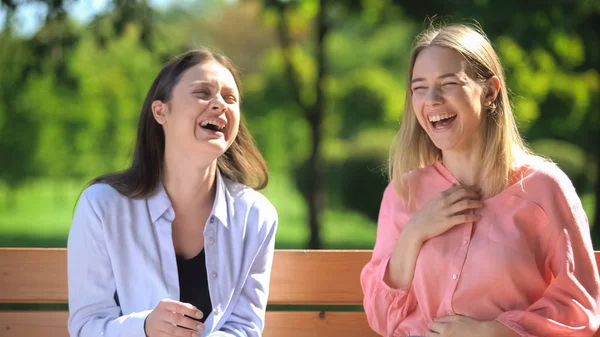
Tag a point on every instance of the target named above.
point(462, 326)
point(170, 318)
point(451, 208)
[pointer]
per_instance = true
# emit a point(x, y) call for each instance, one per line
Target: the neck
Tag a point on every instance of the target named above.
point(463, 165)
point(189, 185)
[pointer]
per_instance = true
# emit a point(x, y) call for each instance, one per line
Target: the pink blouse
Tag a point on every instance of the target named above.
point(527, 263)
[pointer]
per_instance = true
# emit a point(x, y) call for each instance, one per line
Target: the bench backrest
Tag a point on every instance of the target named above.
point(326, 279)
point(321, 278)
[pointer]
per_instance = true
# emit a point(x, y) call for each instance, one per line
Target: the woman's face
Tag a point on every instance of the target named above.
point(446, 101)
point(202, 118)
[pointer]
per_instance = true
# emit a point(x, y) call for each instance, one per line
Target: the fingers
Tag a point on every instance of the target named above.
point(462, 194)
point(462, 218)
point(173, 330)
point(183, 321)
point(436, 327)
point(464, 205)
point(451, 190)
point(174, 318)
point(181, 308)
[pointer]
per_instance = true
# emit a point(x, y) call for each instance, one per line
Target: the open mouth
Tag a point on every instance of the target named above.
point(215, 125)
point(442, 121)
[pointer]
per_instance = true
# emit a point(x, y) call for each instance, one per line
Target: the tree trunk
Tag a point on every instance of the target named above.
point(315, 196)
point(316, 193)
point(595, 231)
point(316, 168)
point(596, 224)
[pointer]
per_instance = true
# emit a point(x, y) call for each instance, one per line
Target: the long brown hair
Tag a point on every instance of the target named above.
point(242, 162)
point(502, 148)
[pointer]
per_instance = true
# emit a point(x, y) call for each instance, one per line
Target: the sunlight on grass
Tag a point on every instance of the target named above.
point(42, 211)
point(341, 229)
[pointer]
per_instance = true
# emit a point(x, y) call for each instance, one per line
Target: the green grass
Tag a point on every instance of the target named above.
point(42, 211)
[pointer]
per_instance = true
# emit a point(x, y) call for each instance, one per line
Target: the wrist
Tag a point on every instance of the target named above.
point(413, 233)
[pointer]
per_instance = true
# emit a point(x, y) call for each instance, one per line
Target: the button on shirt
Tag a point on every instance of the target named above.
point(122, 248)
point(527, 263)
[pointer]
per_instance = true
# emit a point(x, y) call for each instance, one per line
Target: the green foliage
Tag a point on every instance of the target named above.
point(569, 157)
point(18, 127)
point(70, 96)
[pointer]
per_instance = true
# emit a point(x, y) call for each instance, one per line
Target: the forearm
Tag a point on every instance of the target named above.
point(401, 266)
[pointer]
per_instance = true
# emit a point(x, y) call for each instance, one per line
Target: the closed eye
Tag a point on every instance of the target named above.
point(230, 99)
point(202, 93)
point(450, 83)
point(418, 88)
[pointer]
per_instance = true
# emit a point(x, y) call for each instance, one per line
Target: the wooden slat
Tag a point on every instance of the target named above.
point(298, 276)
point(317, 324)
point(33, 275)
point(33, 323)
point(39, 276)
point(278, 323)
point(317, 277)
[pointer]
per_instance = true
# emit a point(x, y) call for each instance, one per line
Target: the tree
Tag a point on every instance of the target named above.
point(17, 127)
point(313, 111)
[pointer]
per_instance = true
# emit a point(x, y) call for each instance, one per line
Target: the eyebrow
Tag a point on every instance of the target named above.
point(202, 82)
point(213, 83)
point(420, 79)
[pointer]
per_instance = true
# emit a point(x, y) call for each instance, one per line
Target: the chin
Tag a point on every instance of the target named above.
point(212, 148)
point(444, 145)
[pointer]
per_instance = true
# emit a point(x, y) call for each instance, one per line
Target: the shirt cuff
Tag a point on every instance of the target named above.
point(134, 323)
point(510, 319)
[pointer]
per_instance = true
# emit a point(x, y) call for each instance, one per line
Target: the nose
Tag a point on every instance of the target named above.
point(218, 103)
point(433, 96)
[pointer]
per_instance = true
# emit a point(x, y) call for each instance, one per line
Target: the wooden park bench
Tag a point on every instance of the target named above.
point(314, 293)
point(311, 293)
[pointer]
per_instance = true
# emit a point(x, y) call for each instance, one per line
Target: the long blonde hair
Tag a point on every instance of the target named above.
point(502, 145)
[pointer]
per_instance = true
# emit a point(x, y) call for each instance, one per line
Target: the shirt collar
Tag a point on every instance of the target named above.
point(159, 203)
point(222, 198)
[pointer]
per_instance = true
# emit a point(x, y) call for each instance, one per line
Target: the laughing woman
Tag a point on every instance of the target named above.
point(179, 244)
point(476, 235)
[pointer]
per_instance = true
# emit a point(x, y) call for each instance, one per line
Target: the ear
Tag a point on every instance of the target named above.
point(493, 88)
point(159, 111)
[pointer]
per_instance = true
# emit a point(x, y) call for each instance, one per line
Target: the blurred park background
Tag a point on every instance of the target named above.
point(324, 86)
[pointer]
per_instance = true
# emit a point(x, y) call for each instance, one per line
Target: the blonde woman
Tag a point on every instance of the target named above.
point(476, 236)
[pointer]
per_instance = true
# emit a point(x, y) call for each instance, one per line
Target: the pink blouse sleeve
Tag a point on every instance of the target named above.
point(569, 306)
point(386, 307)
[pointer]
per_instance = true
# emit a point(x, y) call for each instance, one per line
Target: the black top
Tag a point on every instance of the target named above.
point(193, 283)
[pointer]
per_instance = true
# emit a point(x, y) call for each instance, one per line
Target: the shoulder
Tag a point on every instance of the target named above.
point(550, 188)
point(547, 177)
point(420, 174)
point(101, 192)
point(252, 202)
point(102, 197)
point(414, 182)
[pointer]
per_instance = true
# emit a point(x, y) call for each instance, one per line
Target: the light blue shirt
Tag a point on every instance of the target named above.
point(122, 248)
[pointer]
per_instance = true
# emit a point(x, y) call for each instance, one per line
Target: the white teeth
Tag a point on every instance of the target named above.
point(217, 122)
point(437, 118)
